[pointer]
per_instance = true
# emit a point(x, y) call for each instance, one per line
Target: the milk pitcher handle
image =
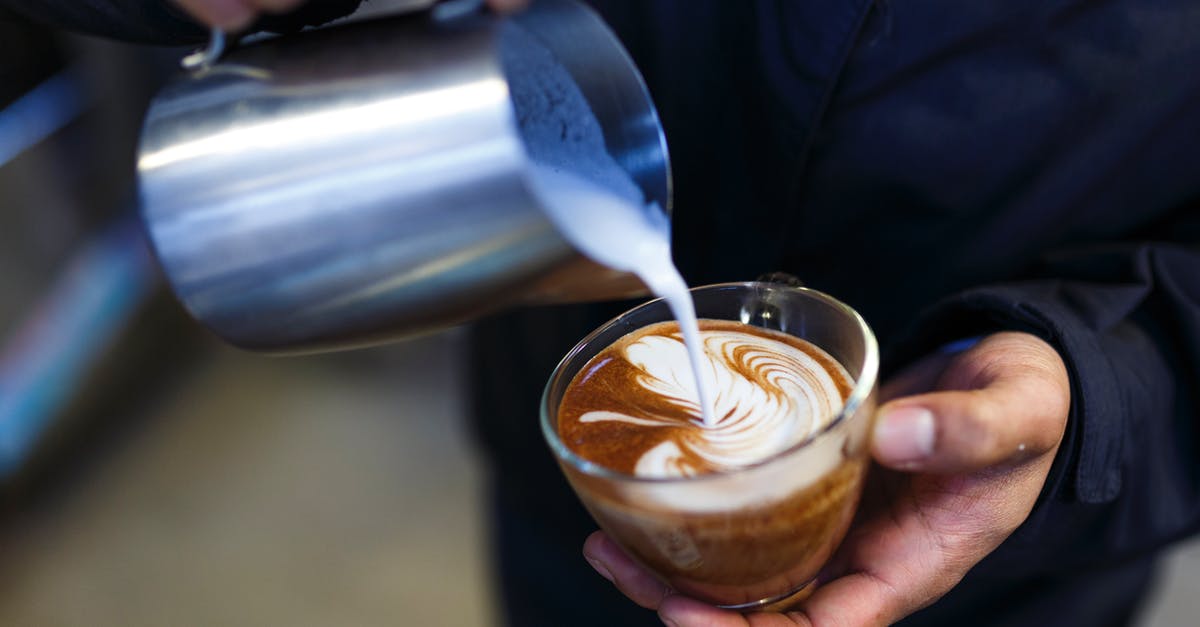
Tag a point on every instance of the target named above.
point(204, 58)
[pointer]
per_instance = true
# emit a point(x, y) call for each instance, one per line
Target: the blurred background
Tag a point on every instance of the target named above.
point(152, 475)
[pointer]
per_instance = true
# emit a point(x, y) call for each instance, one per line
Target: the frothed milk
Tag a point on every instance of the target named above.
point(624, 236)
point(588, 196)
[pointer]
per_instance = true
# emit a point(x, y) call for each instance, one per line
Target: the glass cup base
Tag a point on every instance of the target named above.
point(779, 603)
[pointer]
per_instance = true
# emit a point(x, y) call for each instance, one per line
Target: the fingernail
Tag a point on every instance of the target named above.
point(236, 22)
point(668, 622)
point(904, 435)
point(600, 567)
point(231, 15)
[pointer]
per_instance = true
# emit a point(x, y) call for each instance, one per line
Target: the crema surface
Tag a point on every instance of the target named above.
point(634, 407)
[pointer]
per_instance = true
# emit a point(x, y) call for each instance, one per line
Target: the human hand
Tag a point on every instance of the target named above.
point(972, 435)
point(235, 15)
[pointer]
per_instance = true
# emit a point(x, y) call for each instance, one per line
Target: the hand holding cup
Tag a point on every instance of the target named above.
point(968, 440)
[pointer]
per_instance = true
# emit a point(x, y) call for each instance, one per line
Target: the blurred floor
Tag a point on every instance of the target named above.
point(1176, 602)
point(333, 490)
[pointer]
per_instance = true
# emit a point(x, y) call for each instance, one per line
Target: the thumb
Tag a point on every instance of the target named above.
point(507, 6)
point(1008, 421)
point(1002, 401)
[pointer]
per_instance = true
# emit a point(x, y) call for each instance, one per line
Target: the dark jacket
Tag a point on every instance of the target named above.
point(948, 168)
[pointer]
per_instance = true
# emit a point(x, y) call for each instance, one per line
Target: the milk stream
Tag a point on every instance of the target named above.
point(622, 235)
point(586, 193)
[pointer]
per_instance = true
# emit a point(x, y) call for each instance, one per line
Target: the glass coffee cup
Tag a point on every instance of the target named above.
point(753, 537)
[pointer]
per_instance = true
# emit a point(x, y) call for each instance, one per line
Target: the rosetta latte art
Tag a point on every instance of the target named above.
point(769, 396)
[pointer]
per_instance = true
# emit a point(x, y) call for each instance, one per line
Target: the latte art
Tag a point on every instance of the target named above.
point(771, 391)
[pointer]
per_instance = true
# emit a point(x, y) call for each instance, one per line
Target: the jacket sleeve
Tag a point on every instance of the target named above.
point(1126, 320)
point(158, 22)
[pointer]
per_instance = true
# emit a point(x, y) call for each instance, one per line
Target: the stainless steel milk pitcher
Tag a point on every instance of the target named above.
point(362, 182)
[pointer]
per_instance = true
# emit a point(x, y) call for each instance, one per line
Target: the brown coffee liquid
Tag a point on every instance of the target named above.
point(737, 556)
point(610, 383)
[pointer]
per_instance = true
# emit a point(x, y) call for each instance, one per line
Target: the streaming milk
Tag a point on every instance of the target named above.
point(588, 196)
point(623, 236)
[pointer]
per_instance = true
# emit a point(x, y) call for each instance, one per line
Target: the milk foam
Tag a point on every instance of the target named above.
point(769, 395)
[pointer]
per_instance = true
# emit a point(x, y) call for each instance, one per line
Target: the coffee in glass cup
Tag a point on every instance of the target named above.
point(741, 512)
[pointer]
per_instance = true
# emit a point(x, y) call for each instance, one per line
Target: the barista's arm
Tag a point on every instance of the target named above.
point(185, 21)
point(235, 15)
point(129, 20)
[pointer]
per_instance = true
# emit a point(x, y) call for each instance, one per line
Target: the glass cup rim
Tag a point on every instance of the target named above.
point(864, 384)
